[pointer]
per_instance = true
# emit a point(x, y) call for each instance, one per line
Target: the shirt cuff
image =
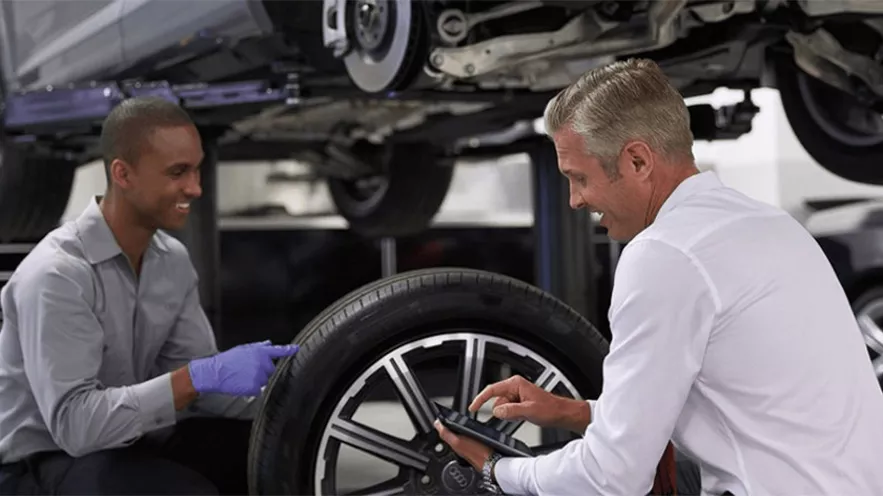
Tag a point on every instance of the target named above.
point(512, 472)
point(508, 471)
point(156, 402)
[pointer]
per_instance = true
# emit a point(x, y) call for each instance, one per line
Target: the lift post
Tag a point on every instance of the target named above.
point(388, 257)
point(564, 249)
point(202, 237)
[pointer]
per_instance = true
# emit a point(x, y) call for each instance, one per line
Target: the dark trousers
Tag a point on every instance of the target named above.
point(202, 456)
point(687, 477)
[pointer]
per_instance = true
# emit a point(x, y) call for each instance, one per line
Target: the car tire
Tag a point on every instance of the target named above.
point(402, 201)
point(34, 192)
point(357, 332)
point(809, 106)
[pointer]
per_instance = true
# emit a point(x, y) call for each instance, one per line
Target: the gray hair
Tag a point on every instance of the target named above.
point(622, 101)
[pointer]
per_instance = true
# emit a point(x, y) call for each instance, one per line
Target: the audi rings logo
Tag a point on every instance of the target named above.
point(456, 477)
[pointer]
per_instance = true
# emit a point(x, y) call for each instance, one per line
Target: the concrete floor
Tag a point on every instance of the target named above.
point(357, 470)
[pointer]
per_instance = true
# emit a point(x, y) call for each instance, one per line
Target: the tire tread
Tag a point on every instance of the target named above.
point(268, 425)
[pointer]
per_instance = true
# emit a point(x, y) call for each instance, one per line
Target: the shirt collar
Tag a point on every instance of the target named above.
point(98, 240)
point(704, 181)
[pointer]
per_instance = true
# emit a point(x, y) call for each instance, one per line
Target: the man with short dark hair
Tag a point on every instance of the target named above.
point(110, 377)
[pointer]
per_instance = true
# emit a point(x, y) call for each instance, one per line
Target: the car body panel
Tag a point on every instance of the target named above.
point(59, 41)
point(55, 42)
point(857, 259)
point(190, 20)
point(851, 236)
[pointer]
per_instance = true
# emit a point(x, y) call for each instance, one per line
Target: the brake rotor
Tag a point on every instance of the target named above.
point(387, 44)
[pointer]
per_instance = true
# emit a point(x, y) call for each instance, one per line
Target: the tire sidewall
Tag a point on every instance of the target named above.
point(336, 349)
point(417, 182)
point(850, 163)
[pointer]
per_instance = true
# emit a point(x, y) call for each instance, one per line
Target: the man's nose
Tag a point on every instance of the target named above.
point(576, 201)
point(194, 188)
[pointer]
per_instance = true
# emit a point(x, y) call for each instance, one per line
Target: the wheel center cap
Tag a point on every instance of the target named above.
point(371, 18)
point(368, 15)
point(456, 478)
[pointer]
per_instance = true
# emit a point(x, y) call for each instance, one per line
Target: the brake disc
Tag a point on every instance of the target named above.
point(385, 43)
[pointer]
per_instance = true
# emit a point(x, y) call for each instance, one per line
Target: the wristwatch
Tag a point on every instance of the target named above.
point(487, 478)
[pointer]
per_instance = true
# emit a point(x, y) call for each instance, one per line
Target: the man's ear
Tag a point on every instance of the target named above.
point(121, 173)
point(639, 158)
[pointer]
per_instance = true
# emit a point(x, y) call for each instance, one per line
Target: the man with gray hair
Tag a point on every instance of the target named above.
point(731, 336)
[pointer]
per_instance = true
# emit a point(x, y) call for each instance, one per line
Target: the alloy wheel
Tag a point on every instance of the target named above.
point(401, 453)
point(870, 318)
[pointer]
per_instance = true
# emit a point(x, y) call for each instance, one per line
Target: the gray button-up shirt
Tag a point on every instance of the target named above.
point(86, 347)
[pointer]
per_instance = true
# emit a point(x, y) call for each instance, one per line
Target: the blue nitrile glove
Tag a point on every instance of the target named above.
point(239, 371)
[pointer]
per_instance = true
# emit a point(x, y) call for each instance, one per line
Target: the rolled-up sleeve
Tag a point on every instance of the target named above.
point(662, 311)
point(193, 337)
point(62, 344)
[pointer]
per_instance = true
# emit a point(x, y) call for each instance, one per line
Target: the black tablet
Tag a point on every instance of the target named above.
point(468, 426)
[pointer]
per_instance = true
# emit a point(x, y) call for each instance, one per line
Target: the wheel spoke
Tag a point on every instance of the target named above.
point(378, 443)
point(390, 487)
point(470, 373)
point(416, 402)
point(399, 365)
point(547, 380)
point(878, 366)
point(872, 333)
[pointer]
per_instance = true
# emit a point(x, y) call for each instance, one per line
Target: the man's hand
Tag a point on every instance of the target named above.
point(239, 371)
point(520, 399)
point(469, 449)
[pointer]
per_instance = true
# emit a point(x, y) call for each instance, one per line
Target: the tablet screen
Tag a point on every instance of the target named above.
point(464, 424)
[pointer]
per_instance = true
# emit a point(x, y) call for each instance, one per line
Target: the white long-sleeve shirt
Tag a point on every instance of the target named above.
point(732, 337)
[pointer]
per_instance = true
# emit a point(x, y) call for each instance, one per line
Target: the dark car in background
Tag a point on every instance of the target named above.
point(850, 232)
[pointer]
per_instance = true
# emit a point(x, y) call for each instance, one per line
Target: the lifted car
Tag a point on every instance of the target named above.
point(381, 96)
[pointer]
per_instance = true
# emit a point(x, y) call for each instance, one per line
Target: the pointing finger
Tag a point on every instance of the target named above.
point(257, 343)
point(496, 389)
point(501, 400)
point(282, 350)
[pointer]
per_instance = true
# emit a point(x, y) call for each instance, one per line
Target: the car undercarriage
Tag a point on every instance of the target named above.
point(356, 87)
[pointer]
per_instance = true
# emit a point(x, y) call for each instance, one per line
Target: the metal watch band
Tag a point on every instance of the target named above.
point(487, 480)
